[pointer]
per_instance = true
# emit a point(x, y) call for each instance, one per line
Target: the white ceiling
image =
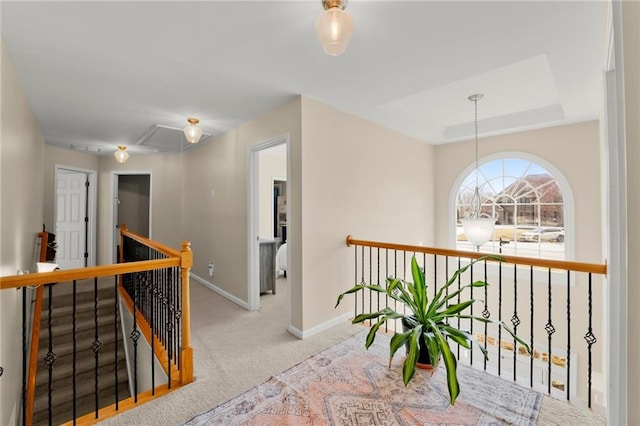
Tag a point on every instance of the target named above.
point(102, 74)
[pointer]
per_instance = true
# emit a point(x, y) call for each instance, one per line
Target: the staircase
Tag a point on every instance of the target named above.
point(111, 374)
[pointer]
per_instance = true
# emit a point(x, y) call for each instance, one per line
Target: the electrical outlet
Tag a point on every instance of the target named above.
point(210, 269)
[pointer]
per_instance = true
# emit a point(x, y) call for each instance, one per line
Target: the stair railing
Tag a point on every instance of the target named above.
point(155, 299)
point(548, 303)
point(80, 279)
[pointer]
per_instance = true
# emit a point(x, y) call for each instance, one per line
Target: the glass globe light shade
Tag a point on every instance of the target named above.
point(334, 28)
point(478, 231)
point(192, 132)
point(121, 155)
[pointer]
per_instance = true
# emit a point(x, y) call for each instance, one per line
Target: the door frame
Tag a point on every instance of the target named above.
point(114, 206)
point(253, 254)
point(615, 221)
point(92, 204)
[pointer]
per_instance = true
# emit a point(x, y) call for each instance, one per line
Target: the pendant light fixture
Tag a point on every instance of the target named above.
point(334, 27)
point(121, 155)
point(193, 132)
point(477, 229)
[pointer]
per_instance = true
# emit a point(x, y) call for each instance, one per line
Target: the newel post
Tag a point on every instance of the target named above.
point(186, 351)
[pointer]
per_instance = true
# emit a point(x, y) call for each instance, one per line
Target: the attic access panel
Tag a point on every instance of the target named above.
point(167, 139)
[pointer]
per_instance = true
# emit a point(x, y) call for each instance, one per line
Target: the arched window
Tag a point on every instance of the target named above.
point(528, 202)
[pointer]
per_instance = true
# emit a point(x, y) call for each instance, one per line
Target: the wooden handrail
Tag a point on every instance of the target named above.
point(149, 243)
point(16, 281)
point(594, 268)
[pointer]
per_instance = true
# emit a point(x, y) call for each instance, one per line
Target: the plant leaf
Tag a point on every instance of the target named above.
point(363, 317)
point(372, 332)
point(459, 336)
point(450, 363)
point(396, 343)
point(432, 346)
point(435, 306)
point(409, 366)
point(420, 287)
point(357, 288)
point(457, 308)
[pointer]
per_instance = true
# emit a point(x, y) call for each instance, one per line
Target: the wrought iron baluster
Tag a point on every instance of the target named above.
point(446, 273)
point(386, 284)
point(370, 282)
point(378, 276)
point(514, 319)
point(471, 321)
point(96, 345)
point(590, 338)
point(568, 381)
point(435, 272)
point(25, 355)
point(51, 356)
point(485, 313)
point(75, 414)
point(404, 265)
point(550, 330)
point(459, 286)
point(165, 314)
point(153, 337)
point(355, 280)
point(500, 318)
point(179, 320)
point(395, 275)
point(135, 335)
point(531, 330)
point(169, 353)
point(116, 321)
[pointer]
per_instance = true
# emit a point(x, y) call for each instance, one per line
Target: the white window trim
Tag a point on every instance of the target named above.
point(567, 195)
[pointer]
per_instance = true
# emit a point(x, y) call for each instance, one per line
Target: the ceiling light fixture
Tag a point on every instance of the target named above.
point(334, 27)
point(193, 132)
point(477, 229)
point(121, 155)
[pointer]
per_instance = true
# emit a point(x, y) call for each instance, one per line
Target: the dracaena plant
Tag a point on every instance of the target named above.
point(430, 319)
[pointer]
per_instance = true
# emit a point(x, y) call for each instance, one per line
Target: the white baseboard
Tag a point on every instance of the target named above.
point(220, 291)
point(305, 334)
point(300, 334)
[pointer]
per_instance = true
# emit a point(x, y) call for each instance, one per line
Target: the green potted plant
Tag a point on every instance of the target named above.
point(427, 325)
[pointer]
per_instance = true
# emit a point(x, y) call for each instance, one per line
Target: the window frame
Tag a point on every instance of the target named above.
point(563, 183)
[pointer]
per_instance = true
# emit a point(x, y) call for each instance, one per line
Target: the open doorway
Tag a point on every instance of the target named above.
point(131, 205)
point(268, 214)
point(75, 217)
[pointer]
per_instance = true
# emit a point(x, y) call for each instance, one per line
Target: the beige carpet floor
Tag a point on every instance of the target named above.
point(235, 350)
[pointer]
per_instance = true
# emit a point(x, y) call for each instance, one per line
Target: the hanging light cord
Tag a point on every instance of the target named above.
point(476, 203)
point(475, 103)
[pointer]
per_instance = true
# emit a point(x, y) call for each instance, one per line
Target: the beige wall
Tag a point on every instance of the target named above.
point(166, 198)
point(631, 47)
point(22, 177)
point(558, 146)
point(361, 179)
point(217, 227)
point(65, 158)
point(272, 166)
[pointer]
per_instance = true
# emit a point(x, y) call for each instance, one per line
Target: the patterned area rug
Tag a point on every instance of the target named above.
point(349, 385)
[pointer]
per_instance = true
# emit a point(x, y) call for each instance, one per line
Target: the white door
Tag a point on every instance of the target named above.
point(71, 216)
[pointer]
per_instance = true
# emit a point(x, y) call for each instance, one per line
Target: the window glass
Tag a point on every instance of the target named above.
point(526, 201)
